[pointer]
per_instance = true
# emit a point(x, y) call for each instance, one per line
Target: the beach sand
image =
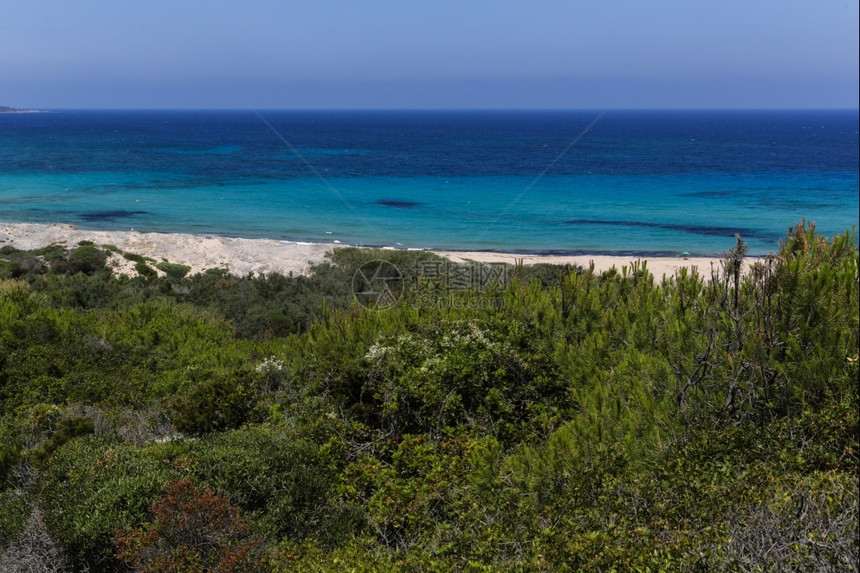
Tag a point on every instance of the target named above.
point(200, 252)
point(263, 256)
point(657, 266)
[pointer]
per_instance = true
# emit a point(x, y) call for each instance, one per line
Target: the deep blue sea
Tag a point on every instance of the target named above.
point(643, 182)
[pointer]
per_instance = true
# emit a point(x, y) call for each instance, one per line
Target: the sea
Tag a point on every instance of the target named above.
point(556, 182)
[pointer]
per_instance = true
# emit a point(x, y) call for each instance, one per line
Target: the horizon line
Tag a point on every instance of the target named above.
point(429, 109)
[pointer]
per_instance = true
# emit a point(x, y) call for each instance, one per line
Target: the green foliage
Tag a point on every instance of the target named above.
point(15, 263)
point(458, 373)
point(9, 455)
point(284, 482)
point(94, 487)
point(87, 259)
point(213, 404)
point(134, 257)
point(67, 429)
point(173, 270)
point(567, 421)
point(51, 253)
point(345, 261)
point(764, 332)
point(14, 509)
point(145, 270)
point(407, 494)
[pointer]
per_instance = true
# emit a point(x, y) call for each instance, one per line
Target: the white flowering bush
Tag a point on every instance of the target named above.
point(455, 373)
point(270, 365)
point(272, 371)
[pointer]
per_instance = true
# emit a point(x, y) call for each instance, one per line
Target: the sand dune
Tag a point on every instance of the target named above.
point(261, 256)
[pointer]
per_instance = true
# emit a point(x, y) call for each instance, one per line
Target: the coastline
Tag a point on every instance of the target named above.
point(262, 256)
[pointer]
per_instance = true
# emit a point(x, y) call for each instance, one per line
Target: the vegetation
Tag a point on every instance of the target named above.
point(561, 420)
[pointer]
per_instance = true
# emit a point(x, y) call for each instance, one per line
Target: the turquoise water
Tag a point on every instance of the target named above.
point(646, 182)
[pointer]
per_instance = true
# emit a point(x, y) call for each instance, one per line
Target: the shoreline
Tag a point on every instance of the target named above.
point(262, 256)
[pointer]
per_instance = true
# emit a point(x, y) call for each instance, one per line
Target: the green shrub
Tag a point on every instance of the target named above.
point(95, 486)
point(14, 509)
point(133, 257)
point(87, 259)
point(463, 373)
point(67, 429)
point(173, 270)
point(588, 422)
point(285, 483)
point(9, 456)
point(215, 404)
point(51, 253)
point(145, 270)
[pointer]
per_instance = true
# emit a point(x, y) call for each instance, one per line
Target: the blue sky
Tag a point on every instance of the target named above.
point(441, 54)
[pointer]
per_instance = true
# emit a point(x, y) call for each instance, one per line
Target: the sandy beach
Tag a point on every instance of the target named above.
point(262, 256)
point(658, 266)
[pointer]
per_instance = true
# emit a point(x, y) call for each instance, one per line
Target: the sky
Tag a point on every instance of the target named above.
point(405, 54)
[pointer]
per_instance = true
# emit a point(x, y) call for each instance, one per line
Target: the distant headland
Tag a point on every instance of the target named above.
point(6, 109)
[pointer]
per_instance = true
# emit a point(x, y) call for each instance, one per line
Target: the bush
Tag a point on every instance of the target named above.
point(173, 270)
point(145, 270)
point(462, 373)
point(68, 428)
point(9, 456)
point(15, 511)
point(134, 257)
point(192, 531)
point(591, 422)
point(95, 486)
point(87, 259)
point(212, 405)
point(284, 482)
